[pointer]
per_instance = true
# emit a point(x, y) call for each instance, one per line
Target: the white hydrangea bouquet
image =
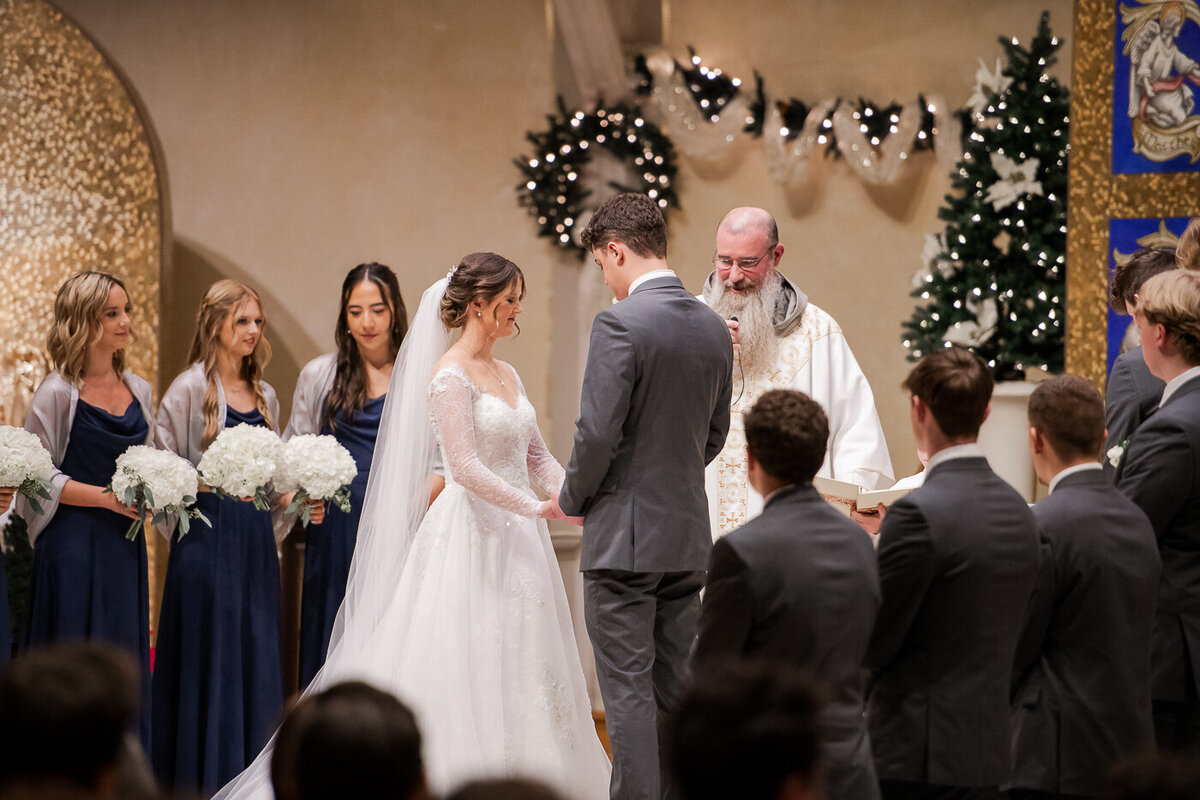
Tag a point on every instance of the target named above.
point(156, 483)
point(25, 465)
point(316, 467)
point(242, 462)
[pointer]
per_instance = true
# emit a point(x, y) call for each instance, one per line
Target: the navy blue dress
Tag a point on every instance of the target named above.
point(331, 544)
point(89, 581)
point(218, 681)
point(5, 627)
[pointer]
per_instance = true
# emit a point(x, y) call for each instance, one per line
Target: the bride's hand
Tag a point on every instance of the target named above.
point(550, 510)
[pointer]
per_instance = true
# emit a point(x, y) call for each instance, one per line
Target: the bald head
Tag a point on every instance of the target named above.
point(746, 220)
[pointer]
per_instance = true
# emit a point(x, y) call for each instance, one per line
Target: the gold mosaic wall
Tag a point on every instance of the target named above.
point(79, 189)
point(1096, 194)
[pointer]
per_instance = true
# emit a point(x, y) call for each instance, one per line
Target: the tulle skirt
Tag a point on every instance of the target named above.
point(479, 643)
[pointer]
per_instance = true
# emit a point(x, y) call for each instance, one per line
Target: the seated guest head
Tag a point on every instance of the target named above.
point(65, 711)
point(950, 391)
point(627, 237)
point(747, 730)
point(786, 435)
point(1127, 278)
point(1066, 424)
point(1168, 316)
point(351, 740)
point(1154, 776)
point(504, 789)
point(1187, 251)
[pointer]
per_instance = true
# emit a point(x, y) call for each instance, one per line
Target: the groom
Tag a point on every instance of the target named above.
point(654, 412)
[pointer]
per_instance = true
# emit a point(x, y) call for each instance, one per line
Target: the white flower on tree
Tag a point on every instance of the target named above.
point(972, 334)
point(1016, 181)
point(987, 85)
point(932, 260)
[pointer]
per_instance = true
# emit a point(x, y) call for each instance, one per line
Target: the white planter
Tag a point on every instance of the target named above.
point(1004, 437)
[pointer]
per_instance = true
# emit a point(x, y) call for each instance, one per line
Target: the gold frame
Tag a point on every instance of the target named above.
point(1096, 195)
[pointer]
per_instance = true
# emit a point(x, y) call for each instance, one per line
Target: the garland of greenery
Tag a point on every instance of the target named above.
point(553, 189)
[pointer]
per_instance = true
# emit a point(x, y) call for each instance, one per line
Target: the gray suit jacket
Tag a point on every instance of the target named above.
point(654, 411)
point(1082, 671)
point(1161, 473)
point(799, 584)
point(1130, 396)
point(958, 559)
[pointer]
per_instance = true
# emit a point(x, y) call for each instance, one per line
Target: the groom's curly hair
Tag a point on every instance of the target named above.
point(632, 219)
point(786, 432)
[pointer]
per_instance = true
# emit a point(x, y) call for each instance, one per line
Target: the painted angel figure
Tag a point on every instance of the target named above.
point(1158, 75)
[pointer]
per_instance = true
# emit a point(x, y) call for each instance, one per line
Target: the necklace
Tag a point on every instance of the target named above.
point(496, 372)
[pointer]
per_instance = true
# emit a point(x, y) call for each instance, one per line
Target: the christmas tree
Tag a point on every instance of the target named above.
point(994, 280)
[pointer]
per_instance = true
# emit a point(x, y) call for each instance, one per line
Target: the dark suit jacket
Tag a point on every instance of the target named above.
point(958, 559)
point(1161, 473)
point(798, 584)
point(654, 411)
point(1130, 396)
point(1082, 691)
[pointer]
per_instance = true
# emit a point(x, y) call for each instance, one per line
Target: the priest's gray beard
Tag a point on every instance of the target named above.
point(756, 318)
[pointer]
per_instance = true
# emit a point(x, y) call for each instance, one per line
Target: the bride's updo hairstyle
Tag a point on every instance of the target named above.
point(479, 276)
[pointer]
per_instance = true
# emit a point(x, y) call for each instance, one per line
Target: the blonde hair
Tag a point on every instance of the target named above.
point(223, 300)
point(76, 327)
point(1187, 251)
point(1172, 299)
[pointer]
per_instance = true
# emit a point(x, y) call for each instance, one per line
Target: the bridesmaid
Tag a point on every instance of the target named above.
point(218, 684)
point(88, 580)
point(342, 394)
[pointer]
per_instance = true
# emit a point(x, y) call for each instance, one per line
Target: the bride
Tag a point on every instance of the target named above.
point(460, 610)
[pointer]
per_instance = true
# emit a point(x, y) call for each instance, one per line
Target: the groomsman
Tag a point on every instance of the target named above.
point(1160, 471)
point(958, 559)
point(654, 412)
point(798, 584)
point(1132, 393)
point(1082, 671)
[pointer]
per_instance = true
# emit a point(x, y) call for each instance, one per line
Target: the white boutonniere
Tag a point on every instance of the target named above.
point(1116, 451)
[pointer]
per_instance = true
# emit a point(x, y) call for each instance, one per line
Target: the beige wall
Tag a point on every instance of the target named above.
point(304, 137)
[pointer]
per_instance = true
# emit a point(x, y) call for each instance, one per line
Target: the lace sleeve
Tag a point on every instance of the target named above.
point(543, 466)
point(450, 402)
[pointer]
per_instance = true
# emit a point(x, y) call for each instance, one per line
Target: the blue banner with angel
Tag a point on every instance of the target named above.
point(1156, 122)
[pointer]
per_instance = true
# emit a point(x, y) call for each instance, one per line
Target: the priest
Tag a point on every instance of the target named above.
point(784, 342)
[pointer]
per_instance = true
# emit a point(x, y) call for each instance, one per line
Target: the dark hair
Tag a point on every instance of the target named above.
point(1069, 412)
point(1154, 776)
point(479, 276)
point(349, 390)
point(1128, 278)
point(632, 219)
point(741, 729)
point(504, 789)
point(65, 712)
point(787, 433)
point(351, 740)
point(1187, 251)
point(956, 386)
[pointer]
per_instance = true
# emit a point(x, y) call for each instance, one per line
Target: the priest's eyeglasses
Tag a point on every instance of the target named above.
point(725, 262)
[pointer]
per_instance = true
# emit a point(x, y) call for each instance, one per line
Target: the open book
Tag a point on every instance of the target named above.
point(847, 497)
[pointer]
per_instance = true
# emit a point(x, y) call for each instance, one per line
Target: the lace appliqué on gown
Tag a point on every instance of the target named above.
point(479, 640)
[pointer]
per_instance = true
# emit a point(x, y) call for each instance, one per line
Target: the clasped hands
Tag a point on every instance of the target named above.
point(550, 509)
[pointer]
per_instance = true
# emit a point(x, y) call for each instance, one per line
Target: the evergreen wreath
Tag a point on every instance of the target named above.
point(553, 190)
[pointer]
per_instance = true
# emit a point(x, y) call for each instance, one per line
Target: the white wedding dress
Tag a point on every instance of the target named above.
point(459, 609)
point(480, 642)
